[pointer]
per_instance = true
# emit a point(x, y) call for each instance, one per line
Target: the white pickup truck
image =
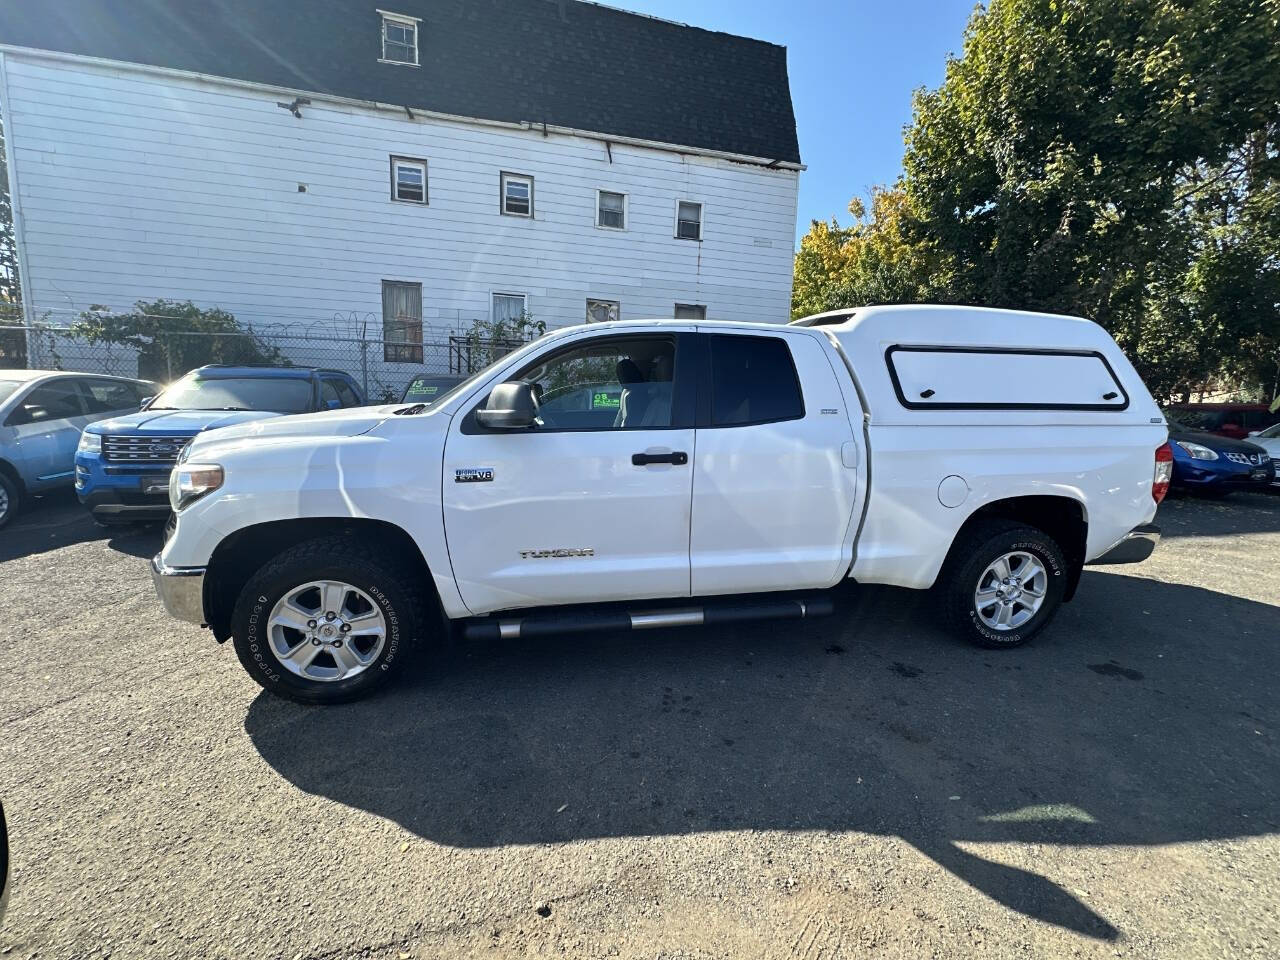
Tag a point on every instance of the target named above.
point(661, 473)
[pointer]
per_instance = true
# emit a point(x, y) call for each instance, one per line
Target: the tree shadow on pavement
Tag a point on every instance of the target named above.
point(56, 520)
point(1145, 715)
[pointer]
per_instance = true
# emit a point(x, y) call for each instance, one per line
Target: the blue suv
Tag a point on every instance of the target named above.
point(123, 464)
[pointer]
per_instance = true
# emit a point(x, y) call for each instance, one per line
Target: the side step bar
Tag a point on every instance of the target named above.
point(555, 624)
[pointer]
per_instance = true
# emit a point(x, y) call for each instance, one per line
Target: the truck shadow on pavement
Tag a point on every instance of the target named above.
point(56, 520)
point(1146, 715)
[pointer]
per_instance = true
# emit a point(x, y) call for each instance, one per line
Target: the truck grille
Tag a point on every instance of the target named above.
point(142, 449)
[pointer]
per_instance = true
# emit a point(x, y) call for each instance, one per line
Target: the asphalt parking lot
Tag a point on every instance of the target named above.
point(858, 786)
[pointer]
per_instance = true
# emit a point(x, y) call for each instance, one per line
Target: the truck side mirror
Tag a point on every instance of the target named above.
point(146, 402)
point(511, 406)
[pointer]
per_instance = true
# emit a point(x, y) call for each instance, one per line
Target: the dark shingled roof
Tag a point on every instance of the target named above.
point(561, 62)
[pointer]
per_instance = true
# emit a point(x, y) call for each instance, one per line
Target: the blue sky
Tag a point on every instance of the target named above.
point(853, 65)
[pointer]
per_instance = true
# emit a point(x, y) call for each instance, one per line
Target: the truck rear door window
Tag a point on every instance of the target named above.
point(753, 380)
point(989, 378)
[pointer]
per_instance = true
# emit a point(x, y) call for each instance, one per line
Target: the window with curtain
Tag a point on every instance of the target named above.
point(508, 308)
point(401, 321)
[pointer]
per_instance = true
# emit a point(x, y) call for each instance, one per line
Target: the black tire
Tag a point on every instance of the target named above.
point(337, 558)
point(12, 499)
point(980, 546)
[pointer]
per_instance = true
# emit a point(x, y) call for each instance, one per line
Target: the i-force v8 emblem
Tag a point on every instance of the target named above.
point(473, 475)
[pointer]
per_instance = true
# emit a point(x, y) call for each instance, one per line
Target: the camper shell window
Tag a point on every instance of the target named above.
point(995, 378)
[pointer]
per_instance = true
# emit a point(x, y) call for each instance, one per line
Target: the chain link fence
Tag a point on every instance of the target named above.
point(383, 367)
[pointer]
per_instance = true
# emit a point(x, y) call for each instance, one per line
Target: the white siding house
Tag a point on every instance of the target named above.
point(136, 181)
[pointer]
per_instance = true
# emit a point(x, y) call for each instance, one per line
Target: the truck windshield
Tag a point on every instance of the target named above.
point(275, 394)
point(479, 375)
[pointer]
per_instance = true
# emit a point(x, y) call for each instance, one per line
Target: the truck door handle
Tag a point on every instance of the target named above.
point(679, 458)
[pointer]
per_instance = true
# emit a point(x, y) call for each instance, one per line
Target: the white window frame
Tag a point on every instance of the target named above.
point(401, 20)
point(626, 209)
point(615, 304)
point(506, 177)
point(396, 163)
point(690, 306)
point(507, 293)
point(702, 210)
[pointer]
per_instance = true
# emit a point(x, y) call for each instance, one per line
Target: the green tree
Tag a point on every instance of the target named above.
point(1117, 159)
point(870, 261)
point(172, 337)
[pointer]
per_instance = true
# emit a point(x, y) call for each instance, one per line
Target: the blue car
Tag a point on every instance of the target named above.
point(41, 415)
point(1213, 465)
point(122, 465)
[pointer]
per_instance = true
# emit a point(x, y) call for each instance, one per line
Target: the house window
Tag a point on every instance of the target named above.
point(691, 311)
point(401, 322)
point(408, 180)
point(688, 220)
point(399, 38)
point(600, 311)
point(611, 210)
point(517, 195)
point(508, 308)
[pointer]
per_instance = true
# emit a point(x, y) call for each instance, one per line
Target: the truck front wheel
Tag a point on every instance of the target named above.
point(1002, 583)
point(326, 621)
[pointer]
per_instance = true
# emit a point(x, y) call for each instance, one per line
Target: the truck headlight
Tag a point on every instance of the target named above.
point(1197, 451)
point(191, 481)
point(89, 443)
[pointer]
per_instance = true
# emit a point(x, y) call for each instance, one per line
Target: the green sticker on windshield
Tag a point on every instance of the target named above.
point(605, 401)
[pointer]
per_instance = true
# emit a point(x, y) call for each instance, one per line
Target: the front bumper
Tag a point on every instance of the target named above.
point(180, 589)
point(122, 490)
point(1134, 547)
point(1223, 474)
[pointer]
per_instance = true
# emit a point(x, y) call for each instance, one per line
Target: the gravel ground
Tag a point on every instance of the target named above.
point(858, 786)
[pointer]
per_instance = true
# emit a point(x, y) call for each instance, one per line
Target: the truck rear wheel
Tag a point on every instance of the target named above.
point(1002, 583)
point(326, 621)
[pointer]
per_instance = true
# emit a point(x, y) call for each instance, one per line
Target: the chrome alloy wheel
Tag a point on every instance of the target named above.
point(1011, 590)
point(326, 630)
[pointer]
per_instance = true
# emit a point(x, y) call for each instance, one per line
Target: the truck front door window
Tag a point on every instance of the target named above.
point(609, 384)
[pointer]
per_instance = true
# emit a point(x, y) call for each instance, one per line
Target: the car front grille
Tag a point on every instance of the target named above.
point(1256, 459)
point(142, 449)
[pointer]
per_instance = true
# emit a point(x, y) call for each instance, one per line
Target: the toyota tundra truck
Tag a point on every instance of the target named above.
point(644, 474)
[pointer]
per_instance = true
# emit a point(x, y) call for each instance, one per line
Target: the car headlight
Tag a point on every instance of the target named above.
point(89, 443)
point(191, 481)
point(1197, 451)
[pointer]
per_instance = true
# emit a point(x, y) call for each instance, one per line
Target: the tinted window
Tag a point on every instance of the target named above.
point(752, 381)
point(347, 394)
point(329, 398)
point(53, 401)
point(105, 396)
point(275, 394)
